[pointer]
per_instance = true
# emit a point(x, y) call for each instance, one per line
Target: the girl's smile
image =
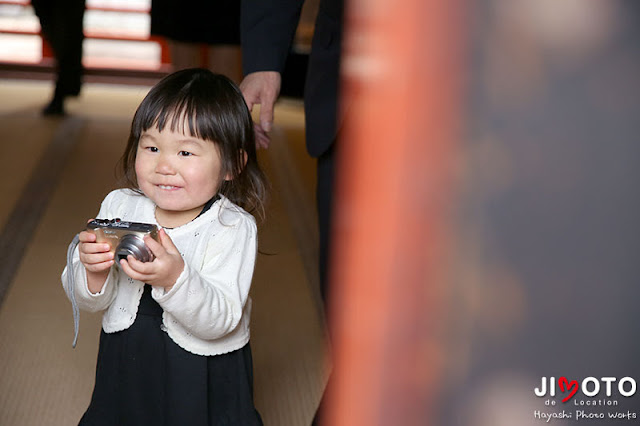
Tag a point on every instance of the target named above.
point(178, 172)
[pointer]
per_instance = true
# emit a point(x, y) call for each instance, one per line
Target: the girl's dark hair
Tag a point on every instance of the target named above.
point(210, 107)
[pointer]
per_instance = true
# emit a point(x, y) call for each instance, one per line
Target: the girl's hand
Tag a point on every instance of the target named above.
point(96, 258)
point(164, 270)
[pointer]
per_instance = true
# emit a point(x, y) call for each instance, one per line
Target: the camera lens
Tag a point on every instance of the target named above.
point(134, 245)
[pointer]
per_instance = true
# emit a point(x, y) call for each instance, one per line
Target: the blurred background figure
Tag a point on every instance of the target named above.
point(200, 33)
point(268, 30)
point(61, 26)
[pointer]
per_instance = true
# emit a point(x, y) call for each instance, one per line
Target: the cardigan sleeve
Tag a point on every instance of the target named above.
point(267, 30)
point(86, 300)
point(209, 301)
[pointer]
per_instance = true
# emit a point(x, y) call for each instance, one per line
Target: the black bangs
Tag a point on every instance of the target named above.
point(182, 104)
point(194, 101)
point(180, 118)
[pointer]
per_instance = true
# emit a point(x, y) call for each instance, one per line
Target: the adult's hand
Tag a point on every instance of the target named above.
point(262, 88)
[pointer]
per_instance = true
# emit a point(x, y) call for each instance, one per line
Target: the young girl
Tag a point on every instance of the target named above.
point(174, 347)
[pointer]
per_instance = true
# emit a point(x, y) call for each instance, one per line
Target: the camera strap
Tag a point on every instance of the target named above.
point(71, 290)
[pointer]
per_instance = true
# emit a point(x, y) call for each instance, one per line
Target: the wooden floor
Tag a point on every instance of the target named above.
point(55, 172)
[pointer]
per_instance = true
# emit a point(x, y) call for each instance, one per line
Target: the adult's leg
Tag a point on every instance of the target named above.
point(324, 198)
point(185, 55)
point(68, 47)
point(44, 11)
point(62, 26)
point(226, 59)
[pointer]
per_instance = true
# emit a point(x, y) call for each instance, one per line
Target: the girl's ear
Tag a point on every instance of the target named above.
point(243, 158)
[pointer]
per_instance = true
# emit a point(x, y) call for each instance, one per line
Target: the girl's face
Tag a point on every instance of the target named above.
point(178, 172)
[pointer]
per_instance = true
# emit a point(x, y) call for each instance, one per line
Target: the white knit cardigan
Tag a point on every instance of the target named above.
point(208, 309)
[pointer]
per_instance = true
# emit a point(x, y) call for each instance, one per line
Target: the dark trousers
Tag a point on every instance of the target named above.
point(324, 199)
point(61, 24)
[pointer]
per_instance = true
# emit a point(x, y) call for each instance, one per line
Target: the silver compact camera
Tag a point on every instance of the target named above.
point(124, 238)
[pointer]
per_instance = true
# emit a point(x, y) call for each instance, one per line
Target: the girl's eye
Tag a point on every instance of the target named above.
point(151, 149)
point(185, 154)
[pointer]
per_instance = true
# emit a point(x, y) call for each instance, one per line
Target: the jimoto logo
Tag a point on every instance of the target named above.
point(590, 387)
point(594, 398)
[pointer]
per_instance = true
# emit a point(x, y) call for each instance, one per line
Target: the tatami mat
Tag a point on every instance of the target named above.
point(45, 381)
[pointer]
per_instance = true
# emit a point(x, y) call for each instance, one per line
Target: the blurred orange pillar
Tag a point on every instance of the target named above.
point(395, 201)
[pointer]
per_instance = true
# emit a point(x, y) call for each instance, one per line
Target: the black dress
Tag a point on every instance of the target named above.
point(144, 378)
point(197, 21)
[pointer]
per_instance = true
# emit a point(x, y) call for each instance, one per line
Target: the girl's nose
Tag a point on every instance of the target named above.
point(164, 166)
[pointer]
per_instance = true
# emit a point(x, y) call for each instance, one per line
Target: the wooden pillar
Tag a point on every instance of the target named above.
point(395, 203)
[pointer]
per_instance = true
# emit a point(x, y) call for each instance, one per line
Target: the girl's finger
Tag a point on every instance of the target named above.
point(167, 242)
point(156, 248)
point(95, 248)
point(126, 267)
point(87, 237)
point(99, 267)
point(144, 268)
point(93, 259)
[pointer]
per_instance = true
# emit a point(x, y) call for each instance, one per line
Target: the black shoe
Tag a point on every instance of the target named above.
point(55, 107)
